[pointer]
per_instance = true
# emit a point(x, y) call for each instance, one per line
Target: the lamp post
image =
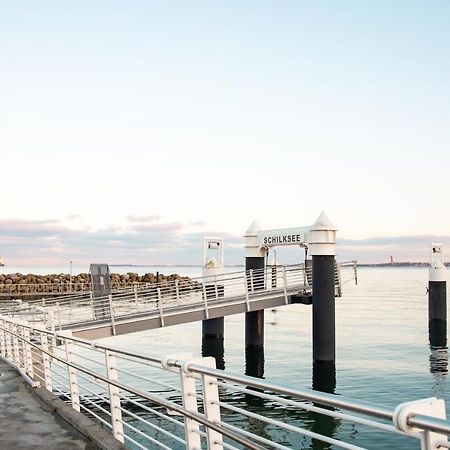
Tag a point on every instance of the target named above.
point(70, 276)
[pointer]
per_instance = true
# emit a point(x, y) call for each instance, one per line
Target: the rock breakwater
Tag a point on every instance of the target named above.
point(23, 283)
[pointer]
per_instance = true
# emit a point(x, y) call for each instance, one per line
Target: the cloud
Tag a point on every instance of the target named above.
point(25, 242)
point(155, 241)
point(146, 219)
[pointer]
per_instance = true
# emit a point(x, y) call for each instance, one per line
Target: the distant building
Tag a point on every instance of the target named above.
point(392, 259)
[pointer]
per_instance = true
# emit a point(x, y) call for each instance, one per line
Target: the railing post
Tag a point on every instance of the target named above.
point(177, 290)
point(135, 295)
point(211, 404)
point(46, 362)
point(283, 269)
point(216, 289)
point(73, 380)
point(189, 394)
point(28, 357)
point(91, 297)
point(429, 440)
point(205, 299)
point(114, 396)
point(58, 312)
point(2, 338)
point(247, 302)
point(252, 286)
point(16, 348)
point(111, 312)
point(8, 342)
point(160, 307)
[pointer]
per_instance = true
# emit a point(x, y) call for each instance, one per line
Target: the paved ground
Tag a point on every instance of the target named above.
point(25, 423)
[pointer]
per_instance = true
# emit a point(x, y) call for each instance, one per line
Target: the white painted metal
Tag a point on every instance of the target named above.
point(437, 271)
point(211, 404)
point(212, 256)
point(111, 313)
point(431, 407)
point(205, 300)
point(72, 375)
point(286, 300)
point(189, 393)
point(320, 238)
point(252, 247)
point(46, 362)
point(114, 396)
point(79, 313)
point(27, 352)
point(424, 420)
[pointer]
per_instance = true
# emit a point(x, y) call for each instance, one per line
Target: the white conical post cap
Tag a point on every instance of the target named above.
point(253, 229)
point(323, 222)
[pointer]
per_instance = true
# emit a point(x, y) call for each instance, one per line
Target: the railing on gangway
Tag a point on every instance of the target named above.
point(165, 298)
point(176, 401)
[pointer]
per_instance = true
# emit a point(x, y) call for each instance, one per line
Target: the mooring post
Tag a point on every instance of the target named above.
point(437, 286)
point(213, 289)
point(322, 247)
point(254, 260)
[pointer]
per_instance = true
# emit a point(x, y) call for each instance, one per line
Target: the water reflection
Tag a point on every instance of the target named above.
point(254, 361)
point(324, 380)
point(437, 334)
point(213, 346)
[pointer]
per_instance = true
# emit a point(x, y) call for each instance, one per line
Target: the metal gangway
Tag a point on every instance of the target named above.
point(174, 401)
point(176, 302)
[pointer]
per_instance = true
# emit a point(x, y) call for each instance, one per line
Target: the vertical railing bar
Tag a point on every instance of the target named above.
point(114, 396)
point(58, 309)
point(247, 302)
point(216, 289)
point(160, 306)
point(111, 312)
point(73, 379)
point(46, 362)
point(205, 298)
point(283, 269)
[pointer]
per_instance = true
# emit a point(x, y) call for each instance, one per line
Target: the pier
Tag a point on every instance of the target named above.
point(176, 401)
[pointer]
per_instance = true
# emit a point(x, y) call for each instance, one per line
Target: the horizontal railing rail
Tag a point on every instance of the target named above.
point(167, 298)
point(177, 401)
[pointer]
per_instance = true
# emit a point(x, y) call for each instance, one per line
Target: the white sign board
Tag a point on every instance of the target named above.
point(287, 236)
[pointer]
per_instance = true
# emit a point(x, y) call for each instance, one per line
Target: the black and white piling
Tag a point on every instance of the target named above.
point(213, 328)
point(437, 286)
point(255, 257)
point(322, 248)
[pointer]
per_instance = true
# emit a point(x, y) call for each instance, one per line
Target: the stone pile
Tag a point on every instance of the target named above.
point(17, 282)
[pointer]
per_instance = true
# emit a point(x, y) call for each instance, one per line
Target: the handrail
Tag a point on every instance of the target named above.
point(20, 339)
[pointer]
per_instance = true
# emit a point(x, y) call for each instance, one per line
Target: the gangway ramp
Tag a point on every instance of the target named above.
point(177, 302)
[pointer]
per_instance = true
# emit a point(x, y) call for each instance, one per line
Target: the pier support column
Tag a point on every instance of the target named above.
point(255, 261)
point(322, 248)
point(213, 328)
point(437, 286)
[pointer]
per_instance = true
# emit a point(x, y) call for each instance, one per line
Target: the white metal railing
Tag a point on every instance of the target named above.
point(178, 402)
point(169, 297)
point(59, 288)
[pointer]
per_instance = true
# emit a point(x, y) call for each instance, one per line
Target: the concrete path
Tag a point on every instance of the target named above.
point(25, 423)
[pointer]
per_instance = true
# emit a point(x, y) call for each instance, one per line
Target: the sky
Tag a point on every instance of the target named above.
point(129, 130)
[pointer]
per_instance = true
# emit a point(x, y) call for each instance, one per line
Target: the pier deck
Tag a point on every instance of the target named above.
point(25, 423)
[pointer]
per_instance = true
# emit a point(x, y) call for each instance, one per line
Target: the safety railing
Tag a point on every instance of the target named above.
point(166, 298)
point(59, 288)
point(169, 297)
point(178, 402)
